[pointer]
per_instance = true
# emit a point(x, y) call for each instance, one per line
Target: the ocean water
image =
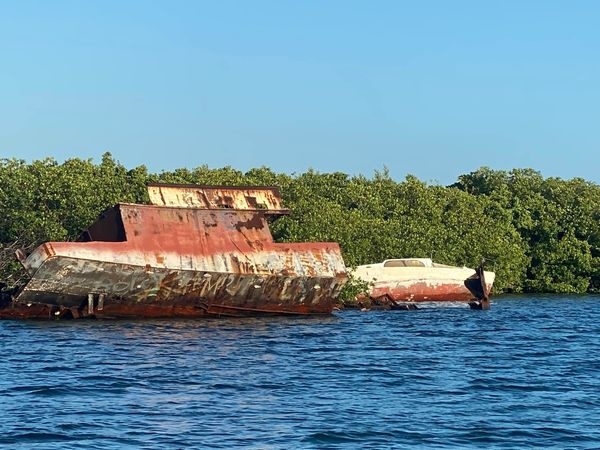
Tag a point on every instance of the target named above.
point(525, 374)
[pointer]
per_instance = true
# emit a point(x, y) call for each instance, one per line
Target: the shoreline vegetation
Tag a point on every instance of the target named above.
point(540, 235)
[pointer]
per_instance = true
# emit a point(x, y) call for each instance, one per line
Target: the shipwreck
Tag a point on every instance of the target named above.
point(194, 251)
point(406, 282)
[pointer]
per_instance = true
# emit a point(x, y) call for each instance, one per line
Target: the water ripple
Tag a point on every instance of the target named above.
point(522, 375)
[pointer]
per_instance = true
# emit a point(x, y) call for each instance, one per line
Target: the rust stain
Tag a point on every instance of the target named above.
point(217, 197)
point(196, 252)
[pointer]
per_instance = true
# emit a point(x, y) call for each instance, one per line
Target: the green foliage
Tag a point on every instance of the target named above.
point(539, 235)
point(353, 289)
point(45, 201)
point(557, 221)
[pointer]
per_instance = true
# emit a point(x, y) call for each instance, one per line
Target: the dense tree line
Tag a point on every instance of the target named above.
point(538, 234)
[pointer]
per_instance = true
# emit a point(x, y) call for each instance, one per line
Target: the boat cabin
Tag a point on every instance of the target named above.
point(408, 262)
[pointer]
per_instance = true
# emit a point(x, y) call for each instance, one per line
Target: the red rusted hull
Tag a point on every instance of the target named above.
point(424, 292)
point(182, 308)
point(20, 311)
point(181, 261)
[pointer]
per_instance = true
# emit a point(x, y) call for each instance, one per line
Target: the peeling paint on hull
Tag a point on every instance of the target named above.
point(419, 280)
point(130, 291)
point(424, 291)
point(182, 258)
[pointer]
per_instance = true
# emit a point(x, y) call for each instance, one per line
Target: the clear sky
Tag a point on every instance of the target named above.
point(435, 89)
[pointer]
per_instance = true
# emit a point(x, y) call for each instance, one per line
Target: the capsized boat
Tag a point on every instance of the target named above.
point(195, 251)
point(422, 280)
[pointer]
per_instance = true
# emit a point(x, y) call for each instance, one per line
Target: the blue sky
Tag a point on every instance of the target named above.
point(434, 89)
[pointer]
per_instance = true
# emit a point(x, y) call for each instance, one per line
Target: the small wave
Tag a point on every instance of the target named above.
point(439, 378)
point(34, 437)
point(373, 437)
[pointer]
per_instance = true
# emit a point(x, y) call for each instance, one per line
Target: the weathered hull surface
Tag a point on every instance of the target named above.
point(134, 291)
point(168, 261)
point(436, 283)
point(424, 291)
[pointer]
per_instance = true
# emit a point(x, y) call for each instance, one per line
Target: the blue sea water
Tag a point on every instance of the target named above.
point(525, 374)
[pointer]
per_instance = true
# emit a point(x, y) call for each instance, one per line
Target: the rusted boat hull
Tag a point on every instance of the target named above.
point(182, 307)
point(181, 258)
point(133, 291)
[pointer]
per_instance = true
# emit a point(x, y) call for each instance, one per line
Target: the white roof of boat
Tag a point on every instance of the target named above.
point(402, 262)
